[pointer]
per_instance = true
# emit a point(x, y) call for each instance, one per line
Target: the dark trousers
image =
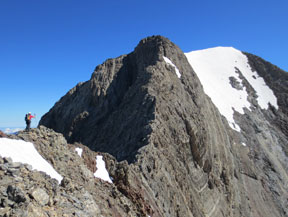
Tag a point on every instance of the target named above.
point(28, 123)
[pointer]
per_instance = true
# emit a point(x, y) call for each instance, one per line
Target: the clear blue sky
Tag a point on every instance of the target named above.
point(47, 47)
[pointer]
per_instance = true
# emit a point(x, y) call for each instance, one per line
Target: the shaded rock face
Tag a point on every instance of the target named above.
point(113, 103)
point(277, 80)
point(183, 158)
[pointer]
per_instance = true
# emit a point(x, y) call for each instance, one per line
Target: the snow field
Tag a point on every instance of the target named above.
point(25, 152)
point(214, 66)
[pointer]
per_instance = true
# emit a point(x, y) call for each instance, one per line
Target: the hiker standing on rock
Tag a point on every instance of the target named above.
point(28, 118)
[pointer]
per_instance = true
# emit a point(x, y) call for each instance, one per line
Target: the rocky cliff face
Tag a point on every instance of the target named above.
point(177, 155)
point(277, 80)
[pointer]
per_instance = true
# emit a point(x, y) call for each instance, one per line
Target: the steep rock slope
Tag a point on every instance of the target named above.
point(233, 75)
point(149, 108)
point(277, 80)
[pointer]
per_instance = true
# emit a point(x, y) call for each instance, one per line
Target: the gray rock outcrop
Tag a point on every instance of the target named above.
point(28, 192)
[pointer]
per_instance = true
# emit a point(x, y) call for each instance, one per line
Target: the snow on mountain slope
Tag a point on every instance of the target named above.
point(11, 130)
point(101, 171)
point(169, 62)
point(79, 151)
point(216, 67)
point(25, 152)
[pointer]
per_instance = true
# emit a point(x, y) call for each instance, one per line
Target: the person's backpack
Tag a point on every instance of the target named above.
point(26, 117)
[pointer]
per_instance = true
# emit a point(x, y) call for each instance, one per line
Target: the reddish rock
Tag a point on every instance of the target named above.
point(2, 134)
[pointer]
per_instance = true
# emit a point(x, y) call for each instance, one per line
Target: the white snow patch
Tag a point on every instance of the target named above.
point(214, 66)
point(168, 61)
point(265, 94)
point(244, 144)
point(25, 152)
point(101, 171)
point(79, 151)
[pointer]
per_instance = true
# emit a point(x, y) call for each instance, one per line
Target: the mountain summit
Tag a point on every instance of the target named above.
point(204, 133)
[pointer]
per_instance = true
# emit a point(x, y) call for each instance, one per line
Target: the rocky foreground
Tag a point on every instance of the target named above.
point(27, 192)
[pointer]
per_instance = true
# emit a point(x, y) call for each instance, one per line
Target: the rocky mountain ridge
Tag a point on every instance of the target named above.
point(27, 192)
point(173, 153)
